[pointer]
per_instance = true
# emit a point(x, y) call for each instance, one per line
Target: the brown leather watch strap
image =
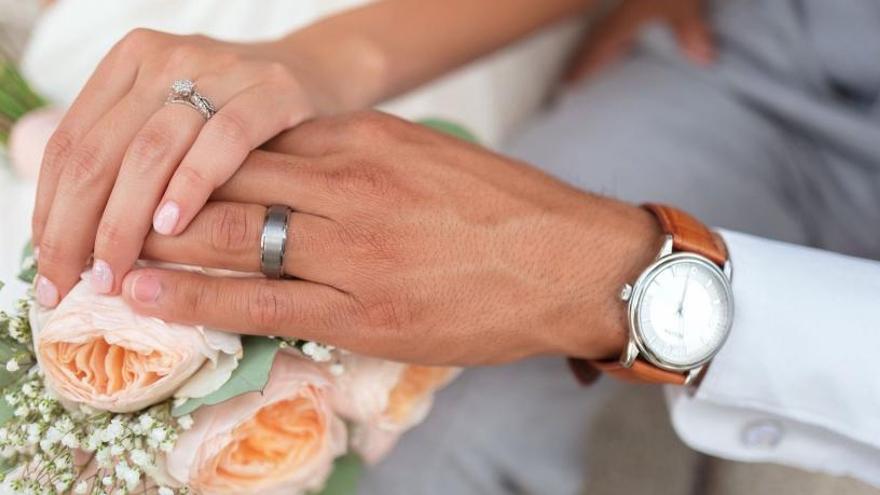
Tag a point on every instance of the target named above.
point(688, 234)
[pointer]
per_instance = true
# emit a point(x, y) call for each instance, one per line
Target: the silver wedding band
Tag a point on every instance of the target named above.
point(183, 92)
point(273, 241)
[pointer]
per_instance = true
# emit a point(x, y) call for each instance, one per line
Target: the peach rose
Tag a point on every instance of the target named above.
point(280, 441)
point(384, 399)
point(95, 350)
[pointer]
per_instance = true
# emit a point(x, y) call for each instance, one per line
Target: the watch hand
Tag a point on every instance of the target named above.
point(683, 294)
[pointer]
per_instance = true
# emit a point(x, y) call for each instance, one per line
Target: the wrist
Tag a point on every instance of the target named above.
point(338, 72)
point(620, 241)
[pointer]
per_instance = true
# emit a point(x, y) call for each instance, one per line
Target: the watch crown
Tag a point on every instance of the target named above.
point(626, 292)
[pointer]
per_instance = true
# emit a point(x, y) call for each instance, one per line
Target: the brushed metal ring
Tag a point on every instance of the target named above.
point(273, 241)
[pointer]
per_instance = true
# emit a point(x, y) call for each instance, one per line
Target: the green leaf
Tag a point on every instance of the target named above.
point(28, 264)
point(450, 128)
point(251, 375)
point(8, 351)
point(346, 472)
point(7, 412)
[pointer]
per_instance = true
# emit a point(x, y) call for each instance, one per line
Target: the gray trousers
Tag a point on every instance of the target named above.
point(781, 138)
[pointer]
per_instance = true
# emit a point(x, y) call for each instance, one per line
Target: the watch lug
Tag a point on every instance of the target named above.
point(692, 375)
point(667, 247)
point(629, 354)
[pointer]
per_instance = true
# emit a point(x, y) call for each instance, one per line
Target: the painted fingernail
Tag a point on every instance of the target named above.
point(145, 289)
point(166, 218)
point(47, 293)
point(102, 277)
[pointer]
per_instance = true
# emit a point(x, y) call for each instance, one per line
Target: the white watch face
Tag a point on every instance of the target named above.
point(684, 312)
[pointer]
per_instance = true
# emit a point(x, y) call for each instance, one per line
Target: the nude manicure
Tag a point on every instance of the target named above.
point(166, 218)
point(102, 277)
point(47, 293)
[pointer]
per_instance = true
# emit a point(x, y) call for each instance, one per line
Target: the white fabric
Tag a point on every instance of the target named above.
point(798, 381)
point(74, 35)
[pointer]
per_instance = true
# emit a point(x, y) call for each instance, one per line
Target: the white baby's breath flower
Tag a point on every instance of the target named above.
point(140, 458)
point(158, 434)
point(116, 449)
point(27, 389)
point(11, 399)
point(146, 421)
point(102, 456)
point(80, 488)
point(107, 481)
point(12, 366)
point(22, 411)
point(70, 441)
point(164, 490)
point(185, 422)
point(53, 435)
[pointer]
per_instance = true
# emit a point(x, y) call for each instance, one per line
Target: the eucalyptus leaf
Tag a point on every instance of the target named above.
point(251, 375)
point(344, 479)
point(450, 128)
point(7, 412)
point(28, 264)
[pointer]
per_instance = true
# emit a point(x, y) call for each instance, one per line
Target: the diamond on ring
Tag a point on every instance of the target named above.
point(183, 87)
point(183, 92)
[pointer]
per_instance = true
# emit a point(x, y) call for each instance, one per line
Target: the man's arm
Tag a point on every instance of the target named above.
point(798, 381)
point(383, 49)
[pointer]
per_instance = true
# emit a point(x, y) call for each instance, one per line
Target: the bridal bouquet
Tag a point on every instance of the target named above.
point(97, 399)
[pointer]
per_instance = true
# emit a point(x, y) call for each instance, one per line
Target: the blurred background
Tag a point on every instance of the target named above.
point(57, 49)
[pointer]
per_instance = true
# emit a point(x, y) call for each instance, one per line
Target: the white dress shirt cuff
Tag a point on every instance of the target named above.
point(798, 381)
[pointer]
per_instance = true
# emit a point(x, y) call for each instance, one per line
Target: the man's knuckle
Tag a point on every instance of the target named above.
point(367, 126)
point(231, 230)
point(267, 308)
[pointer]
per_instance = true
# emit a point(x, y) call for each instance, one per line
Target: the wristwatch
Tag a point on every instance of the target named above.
point(680, 309)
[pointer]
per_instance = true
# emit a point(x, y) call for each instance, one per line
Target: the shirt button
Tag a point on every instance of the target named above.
point(765, 433)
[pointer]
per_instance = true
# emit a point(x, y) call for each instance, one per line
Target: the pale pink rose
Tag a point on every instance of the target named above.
point(28, 138)
point(282, 440)
point(384, 399)
point(95, 350)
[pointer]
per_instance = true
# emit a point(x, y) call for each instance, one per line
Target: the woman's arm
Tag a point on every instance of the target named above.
point(366, 55)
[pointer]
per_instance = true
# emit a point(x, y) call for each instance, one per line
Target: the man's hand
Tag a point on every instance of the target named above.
point(406, 244)
point(616, 33)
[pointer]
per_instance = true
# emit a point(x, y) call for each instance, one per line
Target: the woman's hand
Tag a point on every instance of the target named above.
point(121, 159)
point(406, 244)
point(615, 34)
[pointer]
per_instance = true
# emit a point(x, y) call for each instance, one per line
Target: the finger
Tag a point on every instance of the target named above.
point(82, 192)
point(243, 124)
point(695, 39)
point(149, 161)
point(310, 139)
point(111, 81)
point(289, 308)
point(227, 235)
point(273, 178)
